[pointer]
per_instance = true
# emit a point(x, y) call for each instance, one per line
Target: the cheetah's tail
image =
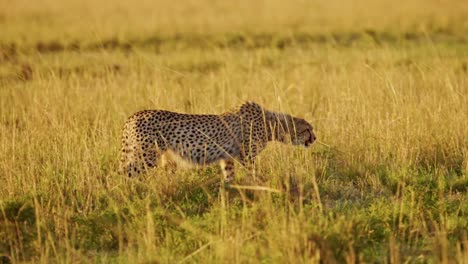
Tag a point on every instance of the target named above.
point(128, 163)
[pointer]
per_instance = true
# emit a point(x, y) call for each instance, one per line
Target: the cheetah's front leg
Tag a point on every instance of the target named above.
point(227, 166)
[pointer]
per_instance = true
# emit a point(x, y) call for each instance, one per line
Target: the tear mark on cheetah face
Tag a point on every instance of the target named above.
point(289, 129)
point(205, 139)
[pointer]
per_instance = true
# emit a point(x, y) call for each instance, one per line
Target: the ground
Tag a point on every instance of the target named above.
point(384, 85)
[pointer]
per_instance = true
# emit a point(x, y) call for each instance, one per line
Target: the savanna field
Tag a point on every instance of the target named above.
point(384, 83)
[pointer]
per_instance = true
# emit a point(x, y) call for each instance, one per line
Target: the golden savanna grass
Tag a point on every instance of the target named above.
point(385, 85)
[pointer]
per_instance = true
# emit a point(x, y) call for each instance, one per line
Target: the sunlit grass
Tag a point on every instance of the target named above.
point(386, 183)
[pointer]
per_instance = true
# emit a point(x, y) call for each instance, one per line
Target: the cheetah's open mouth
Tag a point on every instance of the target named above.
point(308, 138)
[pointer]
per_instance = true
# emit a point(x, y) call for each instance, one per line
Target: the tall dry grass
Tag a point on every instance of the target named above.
point(385, 87)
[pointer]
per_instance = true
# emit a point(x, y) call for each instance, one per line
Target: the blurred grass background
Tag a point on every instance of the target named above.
point(383, 83)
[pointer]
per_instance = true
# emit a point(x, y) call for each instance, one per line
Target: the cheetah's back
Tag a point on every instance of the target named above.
point(200, 139)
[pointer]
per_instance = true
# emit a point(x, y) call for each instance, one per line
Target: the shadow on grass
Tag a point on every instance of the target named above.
point(357, 219)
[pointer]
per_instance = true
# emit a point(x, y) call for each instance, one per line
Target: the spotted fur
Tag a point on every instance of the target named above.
point(204, 139)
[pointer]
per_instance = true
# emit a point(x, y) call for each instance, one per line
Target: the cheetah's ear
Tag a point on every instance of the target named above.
point(250, 105)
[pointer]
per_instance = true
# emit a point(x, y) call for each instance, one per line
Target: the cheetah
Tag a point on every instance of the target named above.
point(205, 139)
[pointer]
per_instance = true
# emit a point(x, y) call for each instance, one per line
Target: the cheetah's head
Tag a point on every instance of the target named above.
point(281, 127)
point(286, 128)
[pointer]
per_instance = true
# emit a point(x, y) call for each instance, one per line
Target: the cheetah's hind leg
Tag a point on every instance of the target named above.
point(135, 162)
point(227, 166)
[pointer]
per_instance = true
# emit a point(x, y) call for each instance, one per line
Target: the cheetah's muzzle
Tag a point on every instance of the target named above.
point(310, 139)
